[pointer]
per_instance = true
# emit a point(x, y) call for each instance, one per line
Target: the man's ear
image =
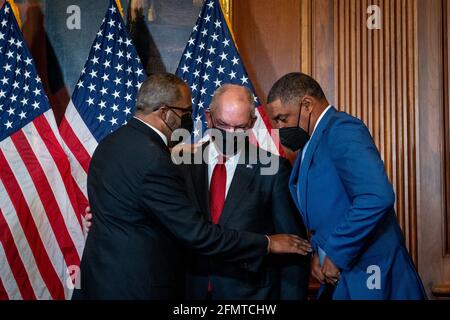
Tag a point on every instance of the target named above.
point(208, 118)
point(252, 124)
point(308, 103)
point(162, 112)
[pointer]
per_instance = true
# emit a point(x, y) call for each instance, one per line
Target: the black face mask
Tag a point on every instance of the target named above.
point(232, 142)
point(186, 123)
point(295, 138)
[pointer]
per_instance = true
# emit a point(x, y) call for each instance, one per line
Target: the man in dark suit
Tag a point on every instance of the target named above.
point(251, 201)
point(141, 214)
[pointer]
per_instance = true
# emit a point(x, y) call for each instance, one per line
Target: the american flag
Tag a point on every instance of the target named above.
point(105, 95)
point(40, 227)
point(210, 60)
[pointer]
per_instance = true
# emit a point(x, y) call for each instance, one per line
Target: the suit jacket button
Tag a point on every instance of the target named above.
point(313, 232)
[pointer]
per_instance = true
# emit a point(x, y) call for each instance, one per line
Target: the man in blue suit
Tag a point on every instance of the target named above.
point(340, 186)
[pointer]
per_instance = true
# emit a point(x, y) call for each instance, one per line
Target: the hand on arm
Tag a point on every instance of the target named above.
point(287, 243)
point(87, 220)
point(277, 244)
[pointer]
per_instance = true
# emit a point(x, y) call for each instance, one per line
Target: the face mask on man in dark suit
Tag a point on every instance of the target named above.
point(229, 143)
point(186, 120)
point(295, 138)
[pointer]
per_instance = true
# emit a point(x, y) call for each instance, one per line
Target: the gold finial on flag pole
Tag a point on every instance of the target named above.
point(227, 6)
point(120, 7)
point(16, 11)
point(151, 14)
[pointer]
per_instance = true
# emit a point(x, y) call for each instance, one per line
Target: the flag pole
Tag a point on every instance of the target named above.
point(15, 9)
point(120, 7)
point(228, 23)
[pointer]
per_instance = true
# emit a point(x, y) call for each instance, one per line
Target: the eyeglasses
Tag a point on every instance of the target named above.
point(226, 127)
point(186, 110)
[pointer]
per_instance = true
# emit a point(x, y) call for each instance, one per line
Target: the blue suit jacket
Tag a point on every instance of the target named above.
point(346, 201)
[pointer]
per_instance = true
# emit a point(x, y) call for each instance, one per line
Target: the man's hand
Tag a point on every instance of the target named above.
point(330, 271)
point(316, 269)
point(287, 243)
point(87, 220)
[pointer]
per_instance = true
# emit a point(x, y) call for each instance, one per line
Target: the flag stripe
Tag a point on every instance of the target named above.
point(78, 173)
point(81, 192)
point(62, 163)
point(10, 287)
point(275, 145)
point(47, 197)
point(3, 294)
point(262, 133)
point(40, 202)
point(72, 220)
point(81, 131)
point(30, 231)
point(74, 145)
point(23, 248)
point(38, 213)
point(20, 276)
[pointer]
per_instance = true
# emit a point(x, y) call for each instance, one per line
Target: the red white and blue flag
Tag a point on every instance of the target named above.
point(40, 223)
point(210, 60)
point(105, 95)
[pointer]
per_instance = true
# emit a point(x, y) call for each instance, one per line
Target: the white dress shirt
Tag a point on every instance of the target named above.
point(230, 165)
point(315, 127)
point(163, 137)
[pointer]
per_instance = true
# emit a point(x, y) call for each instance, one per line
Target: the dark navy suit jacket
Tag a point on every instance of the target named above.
point(143, 220)
point(255, 203)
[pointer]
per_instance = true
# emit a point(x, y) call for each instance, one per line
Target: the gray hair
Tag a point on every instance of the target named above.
point(224, 88)
point(157, 90)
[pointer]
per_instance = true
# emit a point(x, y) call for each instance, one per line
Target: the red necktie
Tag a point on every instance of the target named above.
point(217, 190)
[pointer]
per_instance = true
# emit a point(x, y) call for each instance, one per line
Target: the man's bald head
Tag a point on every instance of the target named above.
point(232, 108)
point(232, 112)
point(232, 96)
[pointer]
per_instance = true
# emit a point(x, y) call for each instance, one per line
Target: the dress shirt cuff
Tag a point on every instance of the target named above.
point(268, 244)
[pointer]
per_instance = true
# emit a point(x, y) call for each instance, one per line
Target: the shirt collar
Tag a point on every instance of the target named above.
point(163, 137)
point(320, 118)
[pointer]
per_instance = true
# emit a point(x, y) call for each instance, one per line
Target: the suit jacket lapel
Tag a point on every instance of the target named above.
point(200, 179)
point(293, 182)
point(306, 163)
point(201, 184)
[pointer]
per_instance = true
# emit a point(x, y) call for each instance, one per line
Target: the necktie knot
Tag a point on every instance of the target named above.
point(222, 159)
